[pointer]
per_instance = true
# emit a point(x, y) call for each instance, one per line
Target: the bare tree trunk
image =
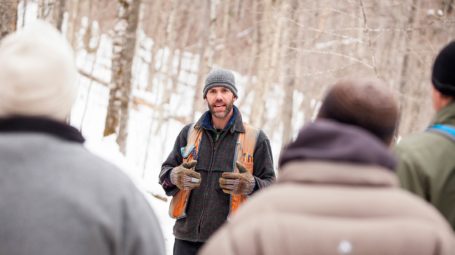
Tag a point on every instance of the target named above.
point(269, 35)
point(8, 17)
point(419, 100)
point(59, 12)
point(72, 6)
point(212, 33)
point(88, 33)
point(52, 11)
point(158, 41)
point(152, 70)
point(202, 72)
point(272, 74)
point(74, 20)
point(261, 62)
point(206, 52)
point(290, 64)
point(122, 59)
point(24, 11)
point(252, 59)
point(168, 65)
point(406, 71)
point(308, 86)
point(225, 33)
point(42, 9)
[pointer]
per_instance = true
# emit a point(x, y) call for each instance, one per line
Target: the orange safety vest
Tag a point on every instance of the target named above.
point(243, 153)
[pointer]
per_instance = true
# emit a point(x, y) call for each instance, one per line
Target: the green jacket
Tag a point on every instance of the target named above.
point(427, 165)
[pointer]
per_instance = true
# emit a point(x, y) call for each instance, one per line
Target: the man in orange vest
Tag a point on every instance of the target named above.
point(216, 163)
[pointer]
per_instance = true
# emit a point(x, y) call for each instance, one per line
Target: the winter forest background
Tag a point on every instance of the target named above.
point(142, 64)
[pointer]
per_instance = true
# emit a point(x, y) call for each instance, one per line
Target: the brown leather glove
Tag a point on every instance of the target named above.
point(184, 176)
point(237, 183)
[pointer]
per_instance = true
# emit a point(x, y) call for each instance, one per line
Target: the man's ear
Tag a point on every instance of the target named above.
point(440, 100)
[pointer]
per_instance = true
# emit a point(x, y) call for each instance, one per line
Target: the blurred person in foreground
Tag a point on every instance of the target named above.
point(427, 159)
point(215, 165)
point(337, 192)
point(56, 197)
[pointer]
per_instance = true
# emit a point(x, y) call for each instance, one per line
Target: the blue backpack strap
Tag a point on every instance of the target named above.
point(446, 130)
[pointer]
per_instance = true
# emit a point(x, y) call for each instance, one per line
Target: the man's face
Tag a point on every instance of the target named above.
point(220, 101)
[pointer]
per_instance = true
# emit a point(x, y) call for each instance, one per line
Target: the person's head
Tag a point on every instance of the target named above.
point(37, 73)
point(220, 92)
point(363, 102)
point(443, 77)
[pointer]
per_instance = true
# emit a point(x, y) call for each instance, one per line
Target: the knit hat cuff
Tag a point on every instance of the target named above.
point(218, 84)
point(446, 89)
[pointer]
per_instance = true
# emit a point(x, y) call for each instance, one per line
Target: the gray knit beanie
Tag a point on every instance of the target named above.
point(220, 78)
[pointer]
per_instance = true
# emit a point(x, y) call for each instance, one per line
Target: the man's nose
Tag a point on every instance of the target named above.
point(219, 96)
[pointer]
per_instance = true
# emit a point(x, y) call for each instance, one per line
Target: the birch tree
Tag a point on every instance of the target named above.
point(124, 43)
point(8, 17)
point(74, 12)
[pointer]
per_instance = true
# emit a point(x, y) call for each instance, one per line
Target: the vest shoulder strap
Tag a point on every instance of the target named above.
point(245, 147)
point(177, 207)
point(189, 152)
point(244, 154)
point(246, 144)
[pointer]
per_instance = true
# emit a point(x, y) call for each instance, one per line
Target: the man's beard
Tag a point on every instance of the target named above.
point(223, 114)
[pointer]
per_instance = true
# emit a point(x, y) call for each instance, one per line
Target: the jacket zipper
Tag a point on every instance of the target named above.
point(201, 218)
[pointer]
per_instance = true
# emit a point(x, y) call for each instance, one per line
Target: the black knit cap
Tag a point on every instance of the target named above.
point(443, 76)
point(220, 78)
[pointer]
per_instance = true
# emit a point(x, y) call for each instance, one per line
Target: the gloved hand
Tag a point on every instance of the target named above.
point(237, 183)
point(184, 176)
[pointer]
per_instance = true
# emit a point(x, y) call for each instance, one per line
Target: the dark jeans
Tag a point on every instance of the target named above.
point(182, 247)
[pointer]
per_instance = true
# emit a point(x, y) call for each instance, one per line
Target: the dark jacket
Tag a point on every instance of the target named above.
point(208, 206)
point(427, 165)
point(336, 194)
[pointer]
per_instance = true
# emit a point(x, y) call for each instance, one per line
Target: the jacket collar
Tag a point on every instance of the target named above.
point(326, 140)
point(320, 172)
point(446, 115)
point(22, 124)
point(235, 123)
